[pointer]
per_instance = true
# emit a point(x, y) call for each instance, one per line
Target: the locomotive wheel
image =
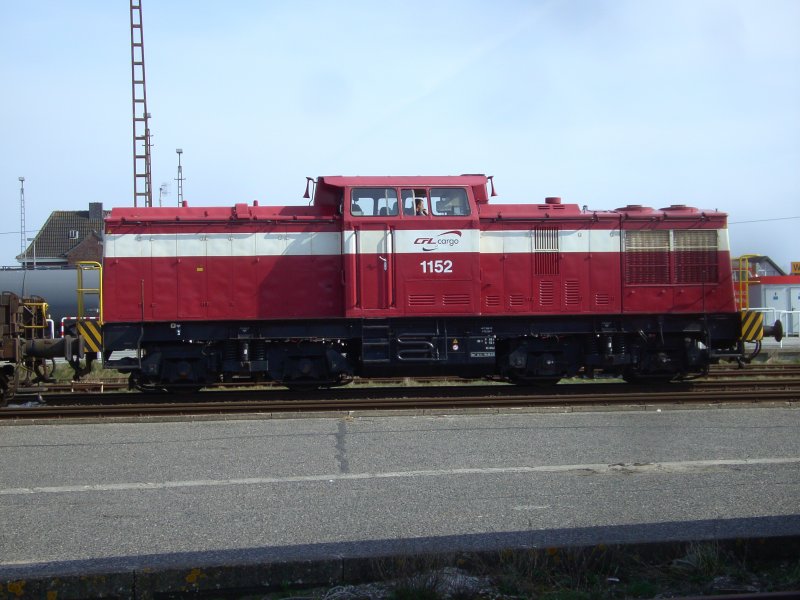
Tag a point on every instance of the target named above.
point(4, 395)
point(135, 383)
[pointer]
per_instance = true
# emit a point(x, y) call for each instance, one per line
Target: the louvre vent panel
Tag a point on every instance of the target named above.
point(492, 301)
point(516, 300)
point(572, 292)
point(602, 299)
point(421, 300)
point(546, 293)
point(456, 299)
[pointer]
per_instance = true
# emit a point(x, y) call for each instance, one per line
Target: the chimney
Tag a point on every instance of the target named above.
point(95, 211)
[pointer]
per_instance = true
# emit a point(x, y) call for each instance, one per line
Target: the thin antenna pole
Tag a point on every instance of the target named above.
point(23, 236)
point(180, 179)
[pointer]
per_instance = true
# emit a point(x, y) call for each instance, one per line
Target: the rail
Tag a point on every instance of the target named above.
point(88, 402)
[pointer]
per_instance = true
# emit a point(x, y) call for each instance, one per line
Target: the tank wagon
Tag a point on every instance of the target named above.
point(56, 285)
point(410, 276)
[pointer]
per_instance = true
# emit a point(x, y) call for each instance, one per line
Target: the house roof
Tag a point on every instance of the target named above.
point(55, 240)
point(778, 279)
point(760, 258)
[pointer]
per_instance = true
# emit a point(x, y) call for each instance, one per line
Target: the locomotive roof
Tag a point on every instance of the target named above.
point(413, 180)
point(328, 200)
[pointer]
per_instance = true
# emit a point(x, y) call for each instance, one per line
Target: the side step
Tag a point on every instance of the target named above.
point(375, 347)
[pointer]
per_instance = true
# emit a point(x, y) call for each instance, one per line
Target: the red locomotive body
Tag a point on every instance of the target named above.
point(410, 275)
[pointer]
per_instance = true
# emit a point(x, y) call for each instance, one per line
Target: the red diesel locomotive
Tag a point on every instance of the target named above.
point(404, 276)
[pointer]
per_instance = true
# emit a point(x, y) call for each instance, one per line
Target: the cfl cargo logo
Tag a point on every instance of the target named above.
point(445, 240)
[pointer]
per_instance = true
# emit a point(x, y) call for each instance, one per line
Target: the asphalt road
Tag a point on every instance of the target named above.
point(303, 487)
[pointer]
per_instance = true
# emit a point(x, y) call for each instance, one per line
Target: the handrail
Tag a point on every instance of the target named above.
point(33, 305)
point(89, 265)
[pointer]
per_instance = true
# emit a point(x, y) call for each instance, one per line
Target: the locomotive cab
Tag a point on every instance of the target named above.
point(410, 247)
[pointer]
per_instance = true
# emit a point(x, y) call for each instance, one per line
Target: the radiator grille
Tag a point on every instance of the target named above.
point(696, 256)
point(696, 239)
point(647, 241)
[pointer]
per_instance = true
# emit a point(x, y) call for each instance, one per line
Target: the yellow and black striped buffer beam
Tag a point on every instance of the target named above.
point(90, 332)
point(752, 325)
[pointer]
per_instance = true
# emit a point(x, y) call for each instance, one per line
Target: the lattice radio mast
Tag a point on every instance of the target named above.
point(142, 188)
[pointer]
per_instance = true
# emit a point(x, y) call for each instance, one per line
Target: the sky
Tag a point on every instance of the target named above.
point(602, 102)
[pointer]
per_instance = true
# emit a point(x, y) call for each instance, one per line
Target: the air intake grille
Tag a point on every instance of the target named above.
point(647, 257)
point(545, 249)
point(696, 256)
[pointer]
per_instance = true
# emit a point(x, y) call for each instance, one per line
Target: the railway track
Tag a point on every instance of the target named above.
point(755, 370)
point(118, 384)
point(479, 397)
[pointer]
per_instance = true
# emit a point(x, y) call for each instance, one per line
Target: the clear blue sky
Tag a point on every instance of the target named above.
point(604, 103)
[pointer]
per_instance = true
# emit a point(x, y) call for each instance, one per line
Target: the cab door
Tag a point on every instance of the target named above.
point(368, 245)
point(375, 259)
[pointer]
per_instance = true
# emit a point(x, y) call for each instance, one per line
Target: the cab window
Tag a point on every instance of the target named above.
point(449, 202)
point(415, 202)
point(373, 202)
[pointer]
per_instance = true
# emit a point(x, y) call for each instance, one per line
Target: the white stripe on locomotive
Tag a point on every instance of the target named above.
point(324, 243)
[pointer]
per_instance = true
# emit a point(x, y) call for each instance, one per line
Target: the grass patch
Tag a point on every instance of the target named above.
point(587, 573)
point(63, 373)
